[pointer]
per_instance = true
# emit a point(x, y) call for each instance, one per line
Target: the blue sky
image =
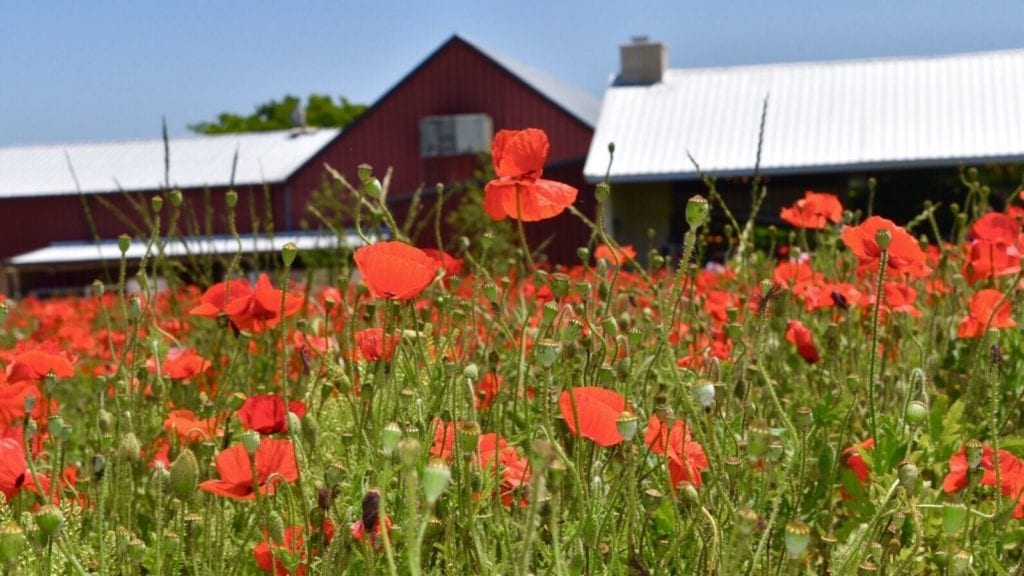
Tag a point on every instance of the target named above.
point(74, 71)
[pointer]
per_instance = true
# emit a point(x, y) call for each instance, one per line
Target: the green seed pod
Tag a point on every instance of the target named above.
point(184, 478)
point(973, 450)
point(583, 253)
point(409, 450)
point(468, 435)
point(156, 203)
point(916, 413)
point(251, 442)
point(12, 542)
point(50, 520)
point(436, 477)
point(231, 198)
point(627, 424)
point(883, 238)
point(804, 417)
point(797, 538)
point(547, 350)
point(124, 242)
point(867, 568)
point(747, 520)
point(962, 561)
point(697, 210)
point(908, 473)
point(390, 436)
point(602, 191)
point(310, 431)
point(275, 526)
point(288, 253)
point(176, 198)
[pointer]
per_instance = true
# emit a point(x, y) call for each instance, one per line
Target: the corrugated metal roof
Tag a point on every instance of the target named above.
point(580, 104)
point(822, 116)
point(138, 165)
point(109, 250)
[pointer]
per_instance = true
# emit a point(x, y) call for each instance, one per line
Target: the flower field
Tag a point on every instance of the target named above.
point(844, 401)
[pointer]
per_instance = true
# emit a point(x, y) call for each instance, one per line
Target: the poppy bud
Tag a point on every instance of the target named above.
point(275, 526)
point(231, 198)
point(50, 520)
point(601, 192)
point(3, 312)
point(310, 430)
point(288, 253)
point(184, 476)
point(134, 307)
point(656, 260)
point(389, 437)
point(583, 253)
point(907, 473)
point(364, 172)
point(251, 441)
point(627, 424)
point(292, 421)
point(547, 351)
point(124, 242)
point(704, 393)
point(973, 450)
point(916, 413)
point(697, 209)
point(409, 450)
point(798, 536)
point(130, 449)
point(623, 368)
point(611, 147)
point(436, 477)
point(962, 561)
point(12, 542)
point(689, 492)
point(157, 204)
point(372, 188)
point(175, 197)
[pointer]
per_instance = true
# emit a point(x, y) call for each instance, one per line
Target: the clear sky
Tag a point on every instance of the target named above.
point(109, 69)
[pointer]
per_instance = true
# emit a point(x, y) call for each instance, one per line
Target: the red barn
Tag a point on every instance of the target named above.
point(430, 127)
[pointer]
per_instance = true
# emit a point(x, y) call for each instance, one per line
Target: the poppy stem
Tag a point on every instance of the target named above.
point(882, 262)
point(522, 231)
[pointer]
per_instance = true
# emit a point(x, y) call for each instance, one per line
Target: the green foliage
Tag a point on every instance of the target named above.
point(321, 110)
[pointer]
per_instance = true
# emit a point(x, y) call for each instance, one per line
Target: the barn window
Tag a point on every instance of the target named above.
point(455, 135)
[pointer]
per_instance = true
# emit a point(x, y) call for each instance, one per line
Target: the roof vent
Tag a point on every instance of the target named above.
point(643, 61)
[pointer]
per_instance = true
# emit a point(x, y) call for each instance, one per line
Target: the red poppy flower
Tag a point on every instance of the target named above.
point(395, 270)
point(905, 254)
point(621, 256)
point(596, 410)
point(814, 211)
point(13, 468)
point(855, 462)
point(188, 428)
point(487, 390)
point(982, 312)
point(519, 157)
point(996, 227)
point(275, 462)
point(452, 266)
point(180, 364)
point(266, 413)
point(292, 545)
point(444, 439)
point(374, 346)
point(1011, 471)
point(686, 458)
point(12, 401)
point(34, 365)
point(801, 337)
point(496, 456)
point(212, 301)
point(261, 309)
point(792, 274)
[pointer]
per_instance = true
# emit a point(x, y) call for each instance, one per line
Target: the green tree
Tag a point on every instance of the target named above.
point(321, 110)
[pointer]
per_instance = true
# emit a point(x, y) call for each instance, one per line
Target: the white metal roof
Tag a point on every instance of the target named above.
point(579, 103)
point(138, 165)
point(822, 116)
point(108, 250)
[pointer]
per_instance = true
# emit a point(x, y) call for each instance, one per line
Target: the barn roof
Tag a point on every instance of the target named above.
point(583, 105)
point(138, 165)
point(821, 117)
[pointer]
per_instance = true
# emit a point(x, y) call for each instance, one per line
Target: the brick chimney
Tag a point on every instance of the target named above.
point(643, 61)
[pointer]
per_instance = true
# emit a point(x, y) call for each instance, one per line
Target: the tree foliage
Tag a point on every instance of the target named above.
point(321, 110)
